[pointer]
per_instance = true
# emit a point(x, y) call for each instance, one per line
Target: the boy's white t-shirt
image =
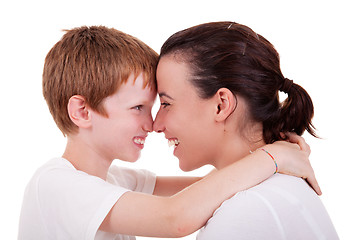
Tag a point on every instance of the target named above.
point(282, 207)
point(61, 202)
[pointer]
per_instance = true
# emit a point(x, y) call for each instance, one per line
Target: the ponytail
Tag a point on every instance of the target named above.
point(294, 114)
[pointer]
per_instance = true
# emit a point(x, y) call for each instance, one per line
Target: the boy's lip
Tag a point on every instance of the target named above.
point(139, 141)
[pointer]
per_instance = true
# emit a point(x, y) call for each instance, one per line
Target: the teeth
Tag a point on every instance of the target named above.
point(139, 140)
point(173, 142)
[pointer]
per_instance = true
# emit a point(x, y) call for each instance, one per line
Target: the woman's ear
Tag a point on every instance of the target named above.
point(225, 104)
point(78, 111)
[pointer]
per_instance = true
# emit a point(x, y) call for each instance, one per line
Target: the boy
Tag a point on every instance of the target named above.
point(99, 84)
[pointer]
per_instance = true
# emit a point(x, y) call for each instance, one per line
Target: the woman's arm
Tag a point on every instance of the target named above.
point(187, 211)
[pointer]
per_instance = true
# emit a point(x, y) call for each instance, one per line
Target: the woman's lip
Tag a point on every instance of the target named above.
point(173, 142)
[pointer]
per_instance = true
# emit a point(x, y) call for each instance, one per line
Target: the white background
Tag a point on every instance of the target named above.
point(318, 42)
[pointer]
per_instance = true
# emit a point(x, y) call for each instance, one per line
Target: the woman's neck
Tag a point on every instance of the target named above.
point(234, 148)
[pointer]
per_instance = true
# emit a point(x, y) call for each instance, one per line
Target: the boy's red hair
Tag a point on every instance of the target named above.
point(93, 62)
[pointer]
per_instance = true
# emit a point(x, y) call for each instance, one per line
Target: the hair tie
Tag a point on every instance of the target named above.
point(287, 85)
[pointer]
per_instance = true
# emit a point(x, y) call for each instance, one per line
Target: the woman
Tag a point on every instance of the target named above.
point(226, 79)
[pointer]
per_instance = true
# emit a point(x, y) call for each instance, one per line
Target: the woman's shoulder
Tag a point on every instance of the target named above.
point(276, 193)
point(276, 205)
point(243, 214)
point(279, 187)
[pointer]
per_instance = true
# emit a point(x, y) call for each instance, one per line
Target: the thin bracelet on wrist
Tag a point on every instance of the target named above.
point(276, 166)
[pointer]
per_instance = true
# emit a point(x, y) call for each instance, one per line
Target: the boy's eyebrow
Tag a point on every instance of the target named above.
point(162, 94)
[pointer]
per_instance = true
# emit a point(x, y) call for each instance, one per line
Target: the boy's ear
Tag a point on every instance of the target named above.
point(78, 111)
point(226, 104)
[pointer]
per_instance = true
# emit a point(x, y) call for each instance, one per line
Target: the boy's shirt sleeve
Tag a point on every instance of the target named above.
point(78, 203)
point(137, 180)
point(63, 203)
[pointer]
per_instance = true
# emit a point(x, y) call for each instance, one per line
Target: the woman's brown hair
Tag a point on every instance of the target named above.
point(231, 55)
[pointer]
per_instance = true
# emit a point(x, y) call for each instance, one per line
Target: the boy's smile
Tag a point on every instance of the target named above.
point(122, 134)
point(139, 141)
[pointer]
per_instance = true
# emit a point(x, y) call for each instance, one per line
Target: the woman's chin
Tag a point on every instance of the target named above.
point(186, 166)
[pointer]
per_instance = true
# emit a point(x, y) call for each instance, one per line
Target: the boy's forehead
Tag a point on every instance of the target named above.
point(139, 80)
point(136, 87)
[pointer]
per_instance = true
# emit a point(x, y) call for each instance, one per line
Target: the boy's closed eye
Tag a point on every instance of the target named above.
point(138, 107)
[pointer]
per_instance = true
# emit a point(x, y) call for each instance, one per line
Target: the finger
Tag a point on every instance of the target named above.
point(283, 135)
point(294, 138)
point(314, 184)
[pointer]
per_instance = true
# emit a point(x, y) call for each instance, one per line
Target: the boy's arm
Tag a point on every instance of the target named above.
point(187, 211)
point(168, 186)
point(179, 215)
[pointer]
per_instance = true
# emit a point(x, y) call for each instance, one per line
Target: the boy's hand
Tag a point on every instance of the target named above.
point(293, 159)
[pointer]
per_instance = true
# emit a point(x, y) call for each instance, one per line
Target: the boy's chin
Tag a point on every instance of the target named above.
point(133, 159)
point(130, 159)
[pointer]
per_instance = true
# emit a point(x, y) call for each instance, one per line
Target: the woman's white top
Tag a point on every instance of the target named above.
point(282, 207)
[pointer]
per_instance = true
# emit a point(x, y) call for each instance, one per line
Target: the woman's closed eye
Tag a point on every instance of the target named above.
point(165, 104)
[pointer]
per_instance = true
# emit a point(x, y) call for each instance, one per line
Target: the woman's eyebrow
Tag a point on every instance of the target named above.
point(162, 94)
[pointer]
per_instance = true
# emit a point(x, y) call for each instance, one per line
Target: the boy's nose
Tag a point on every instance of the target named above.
point(148, 125)
point(158, 126)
